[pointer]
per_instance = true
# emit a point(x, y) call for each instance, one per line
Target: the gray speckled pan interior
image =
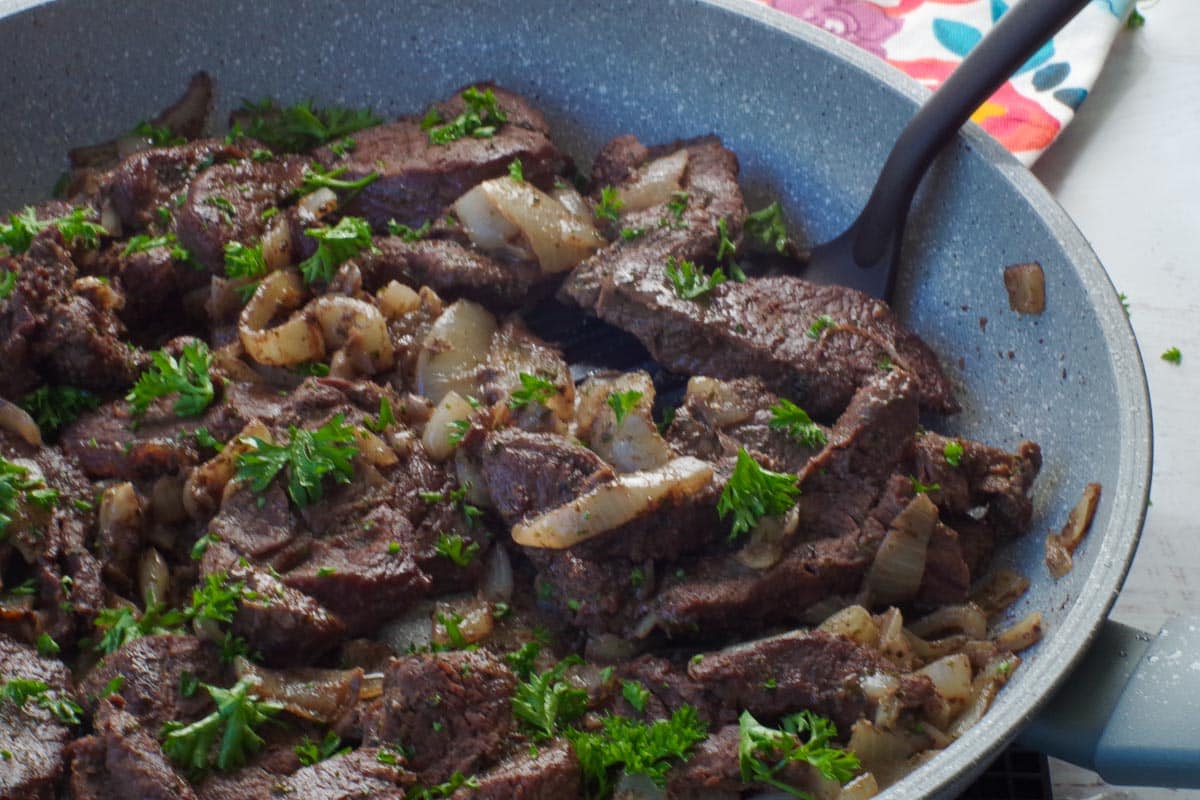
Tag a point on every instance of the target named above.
point(811, 118)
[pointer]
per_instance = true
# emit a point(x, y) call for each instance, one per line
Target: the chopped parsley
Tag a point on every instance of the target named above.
point(301, 127)
point(480, 119)
point(157, 135)
point(457, 498)
point(1135, 21)
point(23, 226)
point(458, 429)
point(1172, 355)
point(55, 407)
point(764, 753)
point(545, 703)
point(317, 177)
point(7, 283)
point(409, 234)
point(690, 281)
point(205, 439)
point(623, 402)
point(335, 245)
point(442, 790)
point(307, 458)
point(820, 324)
point(610, 204)
point(310, 752)
point(636, 695)
point(523, 661)
point(244, 262)
point(636, 748)
point(923, 488)
point(239, 713)
point(753, 492)
point(46, 645)
point(516, 171)
point(789, 417)
point(188, 377)
point(15, 484)
point(953, 452)
point(534, 389)
point(675, 208)
point(384, 419)
point(766, 230)
point(20, 691)
point(144, 242)
point(629, 234)
point(459, 550)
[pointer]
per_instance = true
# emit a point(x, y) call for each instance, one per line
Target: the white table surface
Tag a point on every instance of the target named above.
point(1128, 171)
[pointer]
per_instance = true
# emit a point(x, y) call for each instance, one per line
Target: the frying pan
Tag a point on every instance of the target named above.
point(811, 119)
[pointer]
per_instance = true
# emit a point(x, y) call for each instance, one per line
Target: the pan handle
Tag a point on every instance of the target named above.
point(1131, 709)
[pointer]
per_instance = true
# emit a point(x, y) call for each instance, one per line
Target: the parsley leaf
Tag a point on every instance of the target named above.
point(239, 712)
point(522, 661)
point(310, 752)
point(20, 691)
point(144, 241)
point(409, 234)
point(803, 737)
point(789, 417)
point(244, 261)
point(689, 281)
point(188, 377)
point(610, 204)
point(157, 135)
point(623, 402)
point(629, 234)
point(317, 177)
point(15, 483)
point(638, 748)
point(343, 241)
point(819, 325)
point(675, 207)
point(442, 790)
point(545, 703)
point(22, 227)
point(458, 429)
point(953, 452)
point(384, 419)
point(55, 407)
point(8, 283)
point(46, 645)
point(534, 389)
point(480, 119)
point(307, 458)
point(753, 492)
point(516, 170)
point(301, 127)
point(923, 488)
point(635, 694)
point(766, 230)
point(456, 548)
point(1172, 355)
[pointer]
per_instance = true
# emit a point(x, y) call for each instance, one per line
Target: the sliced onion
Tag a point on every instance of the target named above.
point(654, 183)
point(895, 574)
point(497, 585)
point(294, 342)
point(854, 623)
point(608, 648)
point(359, 327)
point(571, 200)
point(881, 752)
point(374, 450)
point(769, 540)
point(613, 504)
point(1061, 546)
point(110, 220)
point(474, 617)
point(722, 404)
point(154, 577)
point(318, 695)
point(951, 677)
point(318, 203)
point(984, 689)
point(205, 485)
point(395, 300)
point(437, 437)
point(16, 419)
point(893, 642)
point(454, 349)
point(634, 443)
point(968, 619)
point(999, 590)
point(1021, 635)
point(517, 217)
point(1026, 286)
point(101, 293)
point(120, 507)
point(864, 787)
point(277, 242)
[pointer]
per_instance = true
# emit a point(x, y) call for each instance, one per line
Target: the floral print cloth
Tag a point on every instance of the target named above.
point(927, 39)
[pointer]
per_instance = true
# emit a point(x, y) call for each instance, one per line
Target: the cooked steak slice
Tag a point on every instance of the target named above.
point(225, 204)
point(418, 179)
point(357, 774)
point(515, 350)
point(718, 417)
point(156, 286)
point(50, 333)
point(714, 770)
point(33, 735)
point(123, 759)
point(987, 479)
point(150, 179)
point(947, 577)
point(550, 773)
point(801, 670)
point(450, 268)
point(617, 160)
point(526, 474)
point(151, 670)
point(259, 526)
point(451, 710)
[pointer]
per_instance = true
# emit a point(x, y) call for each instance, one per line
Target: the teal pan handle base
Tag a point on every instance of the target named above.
point(1131, 709)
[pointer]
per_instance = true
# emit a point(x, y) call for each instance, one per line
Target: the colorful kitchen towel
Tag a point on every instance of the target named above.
point(928, 38)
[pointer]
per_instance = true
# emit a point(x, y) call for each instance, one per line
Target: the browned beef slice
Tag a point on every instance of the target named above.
point(805, 669)
point(151, 670)
point(260, 526)
point(357, 774)
point(48, 333)
point(155, 285)
point(418, 179)
point(550, 774)
point(451, 269)
point(285, 625)
point(714, 770)
point(34, 737)
point(123, 760)
point(110, 443)
point(947, 577)
point(714, 421)
point(987, 478)
point(617, 159)
point(670, 688)
point(451, 710)
point(225, 204)
point(528, 473)
point(146, 180)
